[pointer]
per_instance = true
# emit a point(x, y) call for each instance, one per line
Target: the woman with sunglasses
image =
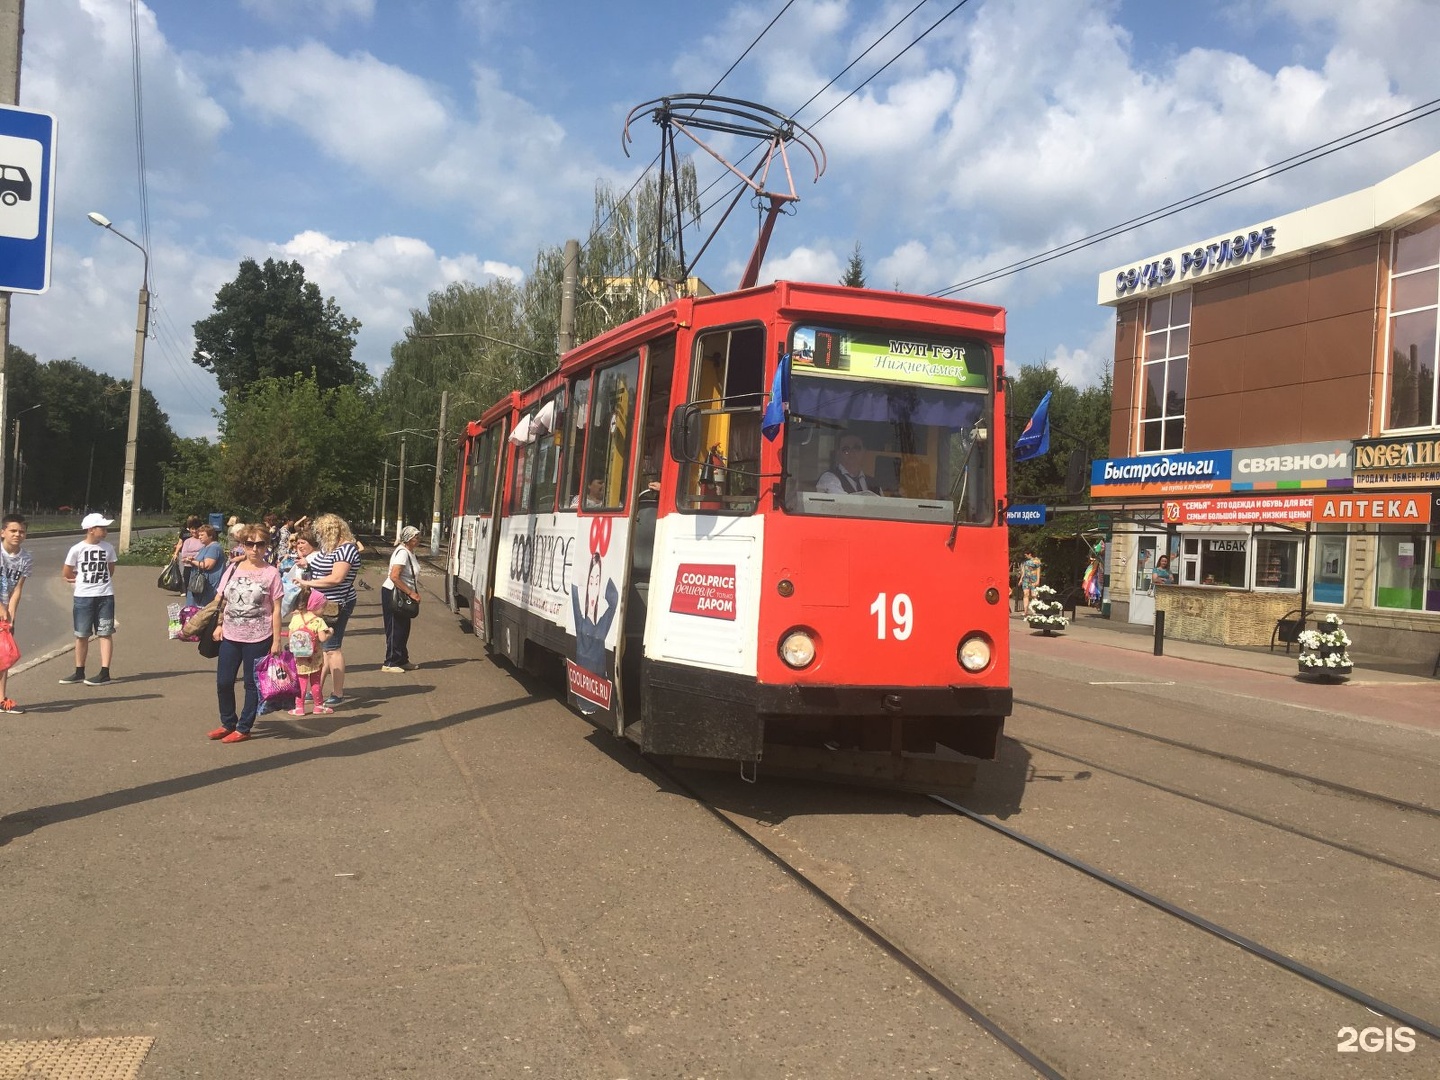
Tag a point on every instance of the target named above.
point(247, 628)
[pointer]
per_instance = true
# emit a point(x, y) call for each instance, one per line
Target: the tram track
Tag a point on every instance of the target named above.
point(955, 997)
point(1246, 944)
point(1240, 760)
point(951, 995)
point(1259, 819)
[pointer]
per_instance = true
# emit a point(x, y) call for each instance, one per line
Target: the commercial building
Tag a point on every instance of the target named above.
point(1275, 434)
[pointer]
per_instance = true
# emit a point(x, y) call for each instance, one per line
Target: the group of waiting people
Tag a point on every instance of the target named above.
point(321, 559)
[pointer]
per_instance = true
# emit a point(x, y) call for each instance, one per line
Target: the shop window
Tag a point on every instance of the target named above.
point(1414, 303)
point(1328, 578)
point(1224, 560)
point(1407, 576)
point(1277, 563)
point(1164, 372)
point(1190, 560)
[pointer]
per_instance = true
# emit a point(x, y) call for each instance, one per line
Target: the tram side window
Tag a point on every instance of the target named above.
point(549, 427)
point(480, 484)
point(729, 387)
point(522, 467)
point(608, 442)
point(569, 434)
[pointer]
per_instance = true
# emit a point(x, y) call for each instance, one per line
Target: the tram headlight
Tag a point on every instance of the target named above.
point(975, 653)
point(797, 648)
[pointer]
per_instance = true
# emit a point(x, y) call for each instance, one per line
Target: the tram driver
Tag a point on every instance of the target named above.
point(847, 476)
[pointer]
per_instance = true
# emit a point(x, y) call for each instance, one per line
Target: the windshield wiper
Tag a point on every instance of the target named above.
point(961, 484)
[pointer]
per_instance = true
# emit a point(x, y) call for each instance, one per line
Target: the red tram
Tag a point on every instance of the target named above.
point(820, 587)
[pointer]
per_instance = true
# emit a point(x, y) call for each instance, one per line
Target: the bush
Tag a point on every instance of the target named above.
point(148, 551)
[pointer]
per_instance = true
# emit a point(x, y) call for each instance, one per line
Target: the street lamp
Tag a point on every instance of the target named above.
point(132, 435)
point(15, 495)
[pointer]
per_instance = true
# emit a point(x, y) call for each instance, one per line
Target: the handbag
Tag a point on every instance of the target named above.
point(197, 583)
point(403, 604)
point(9, 651)
point(170, 579)
point(202, 624)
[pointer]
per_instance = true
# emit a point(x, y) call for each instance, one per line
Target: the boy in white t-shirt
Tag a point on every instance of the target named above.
point(15, 566)
point(90, 567)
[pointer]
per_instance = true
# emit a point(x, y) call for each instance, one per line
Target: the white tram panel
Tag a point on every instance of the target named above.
point(554, 564)
point(704, 600)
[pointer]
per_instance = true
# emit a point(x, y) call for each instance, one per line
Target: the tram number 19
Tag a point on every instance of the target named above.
point(901, 613)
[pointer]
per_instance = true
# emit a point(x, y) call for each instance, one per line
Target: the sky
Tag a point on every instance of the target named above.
point(394, 147)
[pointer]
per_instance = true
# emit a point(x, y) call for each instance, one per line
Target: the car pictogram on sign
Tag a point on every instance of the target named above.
point(15, 185)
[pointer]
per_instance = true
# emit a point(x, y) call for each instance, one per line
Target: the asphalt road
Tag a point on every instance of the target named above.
point(456, 876)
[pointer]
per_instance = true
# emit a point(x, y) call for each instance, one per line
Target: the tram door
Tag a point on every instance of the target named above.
point(480, 528)
point(1142, 580)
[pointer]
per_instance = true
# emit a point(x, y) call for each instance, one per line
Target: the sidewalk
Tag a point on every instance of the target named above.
point(1089, 626)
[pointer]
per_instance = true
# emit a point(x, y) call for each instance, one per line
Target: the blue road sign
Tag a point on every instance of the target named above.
point(27, 198)
point(1025, 514)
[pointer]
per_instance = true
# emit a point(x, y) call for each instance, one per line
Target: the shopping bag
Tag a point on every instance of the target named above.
point(170, 579)
point(172, 618)
point(290, 597)
point(276, 677)
point(9, 651)
point(187, 613)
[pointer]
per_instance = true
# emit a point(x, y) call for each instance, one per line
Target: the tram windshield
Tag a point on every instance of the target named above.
point(889, 426)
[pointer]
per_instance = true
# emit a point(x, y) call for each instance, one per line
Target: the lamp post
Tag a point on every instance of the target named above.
point(15, 494)
point(132, 435)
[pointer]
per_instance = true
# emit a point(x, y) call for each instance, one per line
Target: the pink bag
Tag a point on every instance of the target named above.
point(187, 613)
point(275, 676)
point(9, 651)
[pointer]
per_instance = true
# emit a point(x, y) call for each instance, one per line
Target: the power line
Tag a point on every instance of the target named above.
point(139, 100)
point(1305, 157)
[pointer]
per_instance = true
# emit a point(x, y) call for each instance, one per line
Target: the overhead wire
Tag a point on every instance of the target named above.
point(1305, 157)
point(640, 179)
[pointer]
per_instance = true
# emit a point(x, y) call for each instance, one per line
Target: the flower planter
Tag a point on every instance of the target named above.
point(1323, 656)
point(1045, 613)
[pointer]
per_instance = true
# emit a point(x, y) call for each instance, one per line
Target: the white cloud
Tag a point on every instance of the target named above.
point(380, 281)
point(505, 162)
point(307, 12)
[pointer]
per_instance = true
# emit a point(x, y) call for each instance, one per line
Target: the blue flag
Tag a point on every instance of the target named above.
point(1034, 441)
point(774, 418)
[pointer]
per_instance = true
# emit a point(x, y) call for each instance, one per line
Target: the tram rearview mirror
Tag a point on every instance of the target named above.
point(685, 434)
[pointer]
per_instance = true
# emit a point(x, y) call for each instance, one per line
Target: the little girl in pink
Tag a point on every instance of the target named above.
point(307, 631)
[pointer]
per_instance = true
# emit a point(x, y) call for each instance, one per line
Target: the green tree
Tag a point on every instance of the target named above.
point(272, 323)
point(855, 271)
point(73, 426)
point(192, 479)
point(1079, 433)
point(291, 445)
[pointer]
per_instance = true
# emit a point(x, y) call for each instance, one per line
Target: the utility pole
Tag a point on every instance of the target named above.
point(400, 498)
point(569, 284)
point(439, 464)
point(12, 23)
point(384, 496)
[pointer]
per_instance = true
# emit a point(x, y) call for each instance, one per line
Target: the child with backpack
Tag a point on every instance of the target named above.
point(308, 631)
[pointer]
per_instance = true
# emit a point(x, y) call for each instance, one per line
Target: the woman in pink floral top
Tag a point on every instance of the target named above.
point(248, 628)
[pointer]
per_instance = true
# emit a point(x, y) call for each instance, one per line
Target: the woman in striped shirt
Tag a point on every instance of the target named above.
point(333, 570)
